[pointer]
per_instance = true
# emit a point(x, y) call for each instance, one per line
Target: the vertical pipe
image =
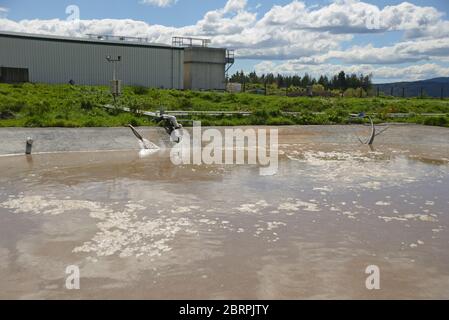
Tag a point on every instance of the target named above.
point(172, 67)
point(29, 145)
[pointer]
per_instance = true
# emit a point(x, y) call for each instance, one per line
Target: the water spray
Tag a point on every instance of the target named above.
point(369, 141)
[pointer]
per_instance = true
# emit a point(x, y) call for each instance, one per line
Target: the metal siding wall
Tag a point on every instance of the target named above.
point(204, 68)
point(85, 63)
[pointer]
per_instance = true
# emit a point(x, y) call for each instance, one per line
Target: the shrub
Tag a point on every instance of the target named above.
point(134, 122)
point(279, 121)
point(185, 103)
point(337, 116)
point(436, 121)
point(86, 105)
point(139, 90)
point(34, 122)
point(38, 109)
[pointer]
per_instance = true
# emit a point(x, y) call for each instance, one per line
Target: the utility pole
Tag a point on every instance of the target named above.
point(116, 85)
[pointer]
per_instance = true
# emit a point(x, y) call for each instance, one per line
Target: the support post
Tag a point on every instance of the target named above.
point(29, 145)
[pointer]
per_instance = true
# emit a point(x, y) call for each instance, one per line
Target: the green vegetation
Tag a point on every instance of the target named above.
point(340, 82)
point(39, 105)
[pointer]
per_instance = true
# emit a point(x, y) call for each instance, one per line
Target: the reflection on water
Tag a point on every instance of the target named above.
point(145, 228)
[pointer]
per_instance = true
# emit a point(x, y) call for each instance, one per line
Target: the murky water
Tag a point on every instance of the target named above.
point(145, 228)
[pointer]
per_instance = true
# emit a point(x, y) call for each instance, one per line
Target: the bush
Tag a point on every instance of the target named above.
point(436, 121)
point(34, 122)
point(17, 106)
point(134, 122)
point(279, 121)
point(139, 90)
point(86, 105)
point(185, 103)
point(337, 116)
point(38, 109)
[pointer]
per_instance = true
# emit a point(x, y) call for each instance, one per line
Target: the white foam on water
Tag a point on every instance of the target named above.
point(407, 217)
point(40, 205)
point(298, 205)
point(358, 170)
point(121, 232)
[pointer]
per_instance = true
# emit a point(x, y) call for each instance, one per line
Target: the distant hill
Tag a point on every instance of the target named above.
point(430, 88)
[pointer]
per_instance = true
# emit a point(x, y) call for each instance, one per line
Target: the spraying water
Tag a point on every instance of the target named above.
point(146, 146)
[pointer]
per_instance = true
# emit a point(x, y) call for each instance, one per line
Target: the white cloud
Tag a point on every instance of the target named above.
point(3, 12)
point(159, 3)
point(284, 32)
point(402, 52)
point(352, 16)
point(235, 5)
point(300, 35)
point(380, 73)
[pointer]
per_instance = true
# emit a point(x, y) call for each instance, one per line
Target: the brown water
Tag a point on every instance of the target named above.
point(145, 228)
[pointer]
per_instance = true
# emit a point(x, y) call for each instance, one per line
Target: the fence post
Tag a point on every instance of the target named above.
point(266, 88)
point(392, 91)
point(403, 92)
point(442, 93)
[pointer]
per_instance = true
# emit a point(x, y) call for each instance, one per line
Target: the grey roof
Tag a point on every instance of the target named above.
point(85, 40)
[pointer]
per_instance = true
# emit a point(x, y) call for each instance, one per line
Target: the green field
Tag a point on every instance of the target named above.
point(39, 105)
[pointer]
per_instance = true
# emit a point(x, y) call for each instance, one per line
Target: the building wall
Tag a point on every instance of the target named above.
point(204, 68)
point(84, 61)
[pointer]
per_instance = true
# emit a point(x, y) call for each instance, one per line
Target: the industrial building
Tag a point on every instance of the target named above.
point(188, 63)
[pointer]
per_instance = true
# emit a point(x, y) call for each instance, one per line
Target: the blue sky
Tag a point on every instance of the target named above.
point(409, 41)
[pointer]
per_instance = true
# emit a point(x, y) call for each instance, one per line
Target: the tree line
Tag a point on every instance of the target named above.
point(340, 81)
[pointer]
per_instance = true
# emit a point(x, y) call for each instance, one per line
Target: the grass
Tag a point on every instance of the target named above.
point(40, 105)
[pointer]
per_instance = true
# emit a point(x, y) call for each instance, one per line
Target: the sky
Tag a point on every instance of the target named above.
point(393, 40)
